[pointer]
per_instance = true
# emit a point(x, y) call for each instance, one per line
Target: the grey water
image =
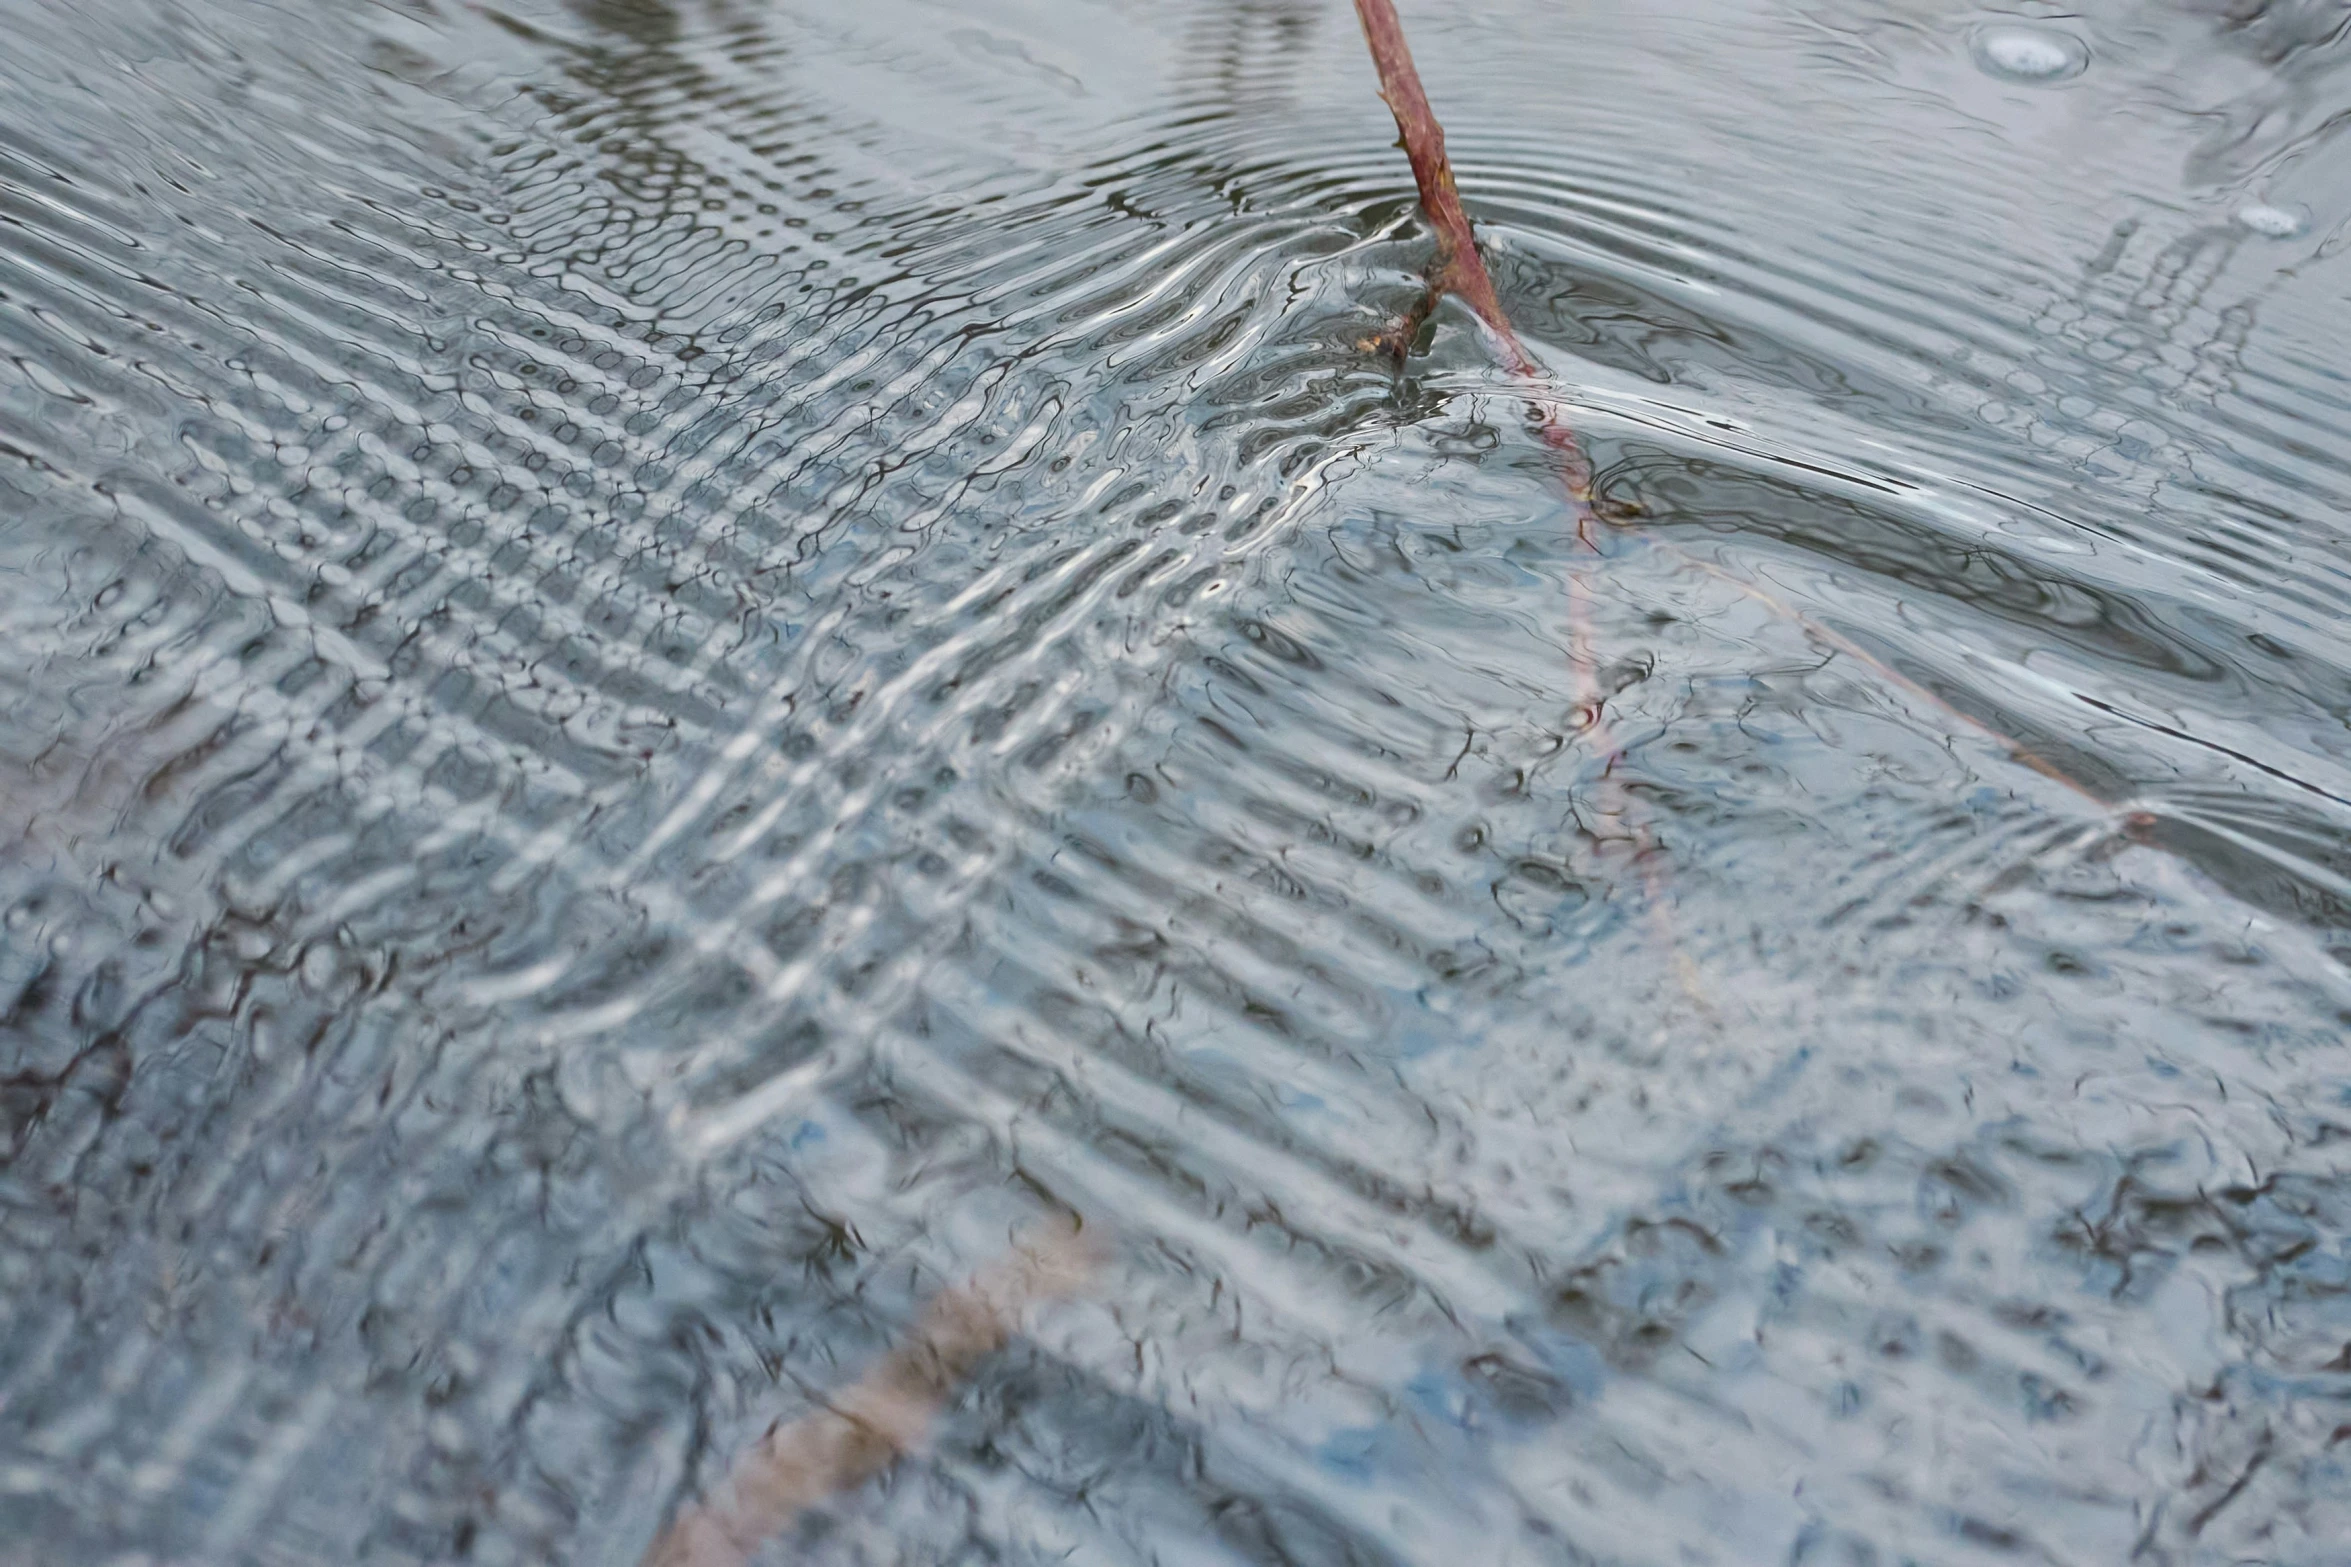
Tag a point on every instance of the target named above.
point(667, 667)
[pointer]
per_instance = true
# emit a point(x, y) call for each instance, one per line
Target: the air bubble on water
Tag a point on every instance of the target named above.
point(2273, 222)
point(2030, 54)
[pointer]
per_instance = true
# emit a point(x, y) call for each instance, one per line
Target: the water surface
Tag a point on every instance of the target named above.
point(665, 666)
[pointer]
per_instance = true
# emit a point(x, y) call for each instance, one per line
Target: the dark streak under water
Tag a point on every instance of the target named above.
point(668, 665)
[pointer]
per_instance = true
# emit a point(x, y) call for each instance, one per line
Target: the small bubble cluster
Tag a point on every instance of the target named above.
point(2038, 55)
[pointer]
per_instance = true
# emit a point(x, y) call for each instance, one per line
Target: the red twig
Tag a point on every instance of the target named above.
point(1457, 268)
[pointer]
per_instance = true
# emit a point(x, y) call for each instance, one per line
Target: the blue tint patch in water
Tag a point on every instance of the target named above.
point(1352, 1453)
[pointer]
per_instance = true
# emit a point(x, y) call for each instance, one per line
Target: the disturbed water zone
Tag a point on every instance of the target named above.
point(669, 667)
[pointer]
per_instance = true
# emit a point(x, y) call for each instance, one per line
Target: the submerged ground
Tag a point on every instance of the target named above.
point(664, 667)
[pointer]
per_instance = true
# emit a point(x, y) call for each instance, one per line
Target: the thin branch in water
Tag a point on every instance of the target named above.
point(885, 1413)
point(2017, 750)
point(1459, 270)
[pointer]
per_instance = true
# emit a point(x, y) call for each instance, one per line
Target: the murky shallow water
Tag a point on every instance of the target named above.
point(667, 666)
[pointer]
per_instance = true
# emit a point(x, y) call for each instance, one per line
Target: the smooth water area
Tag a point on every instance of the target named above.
point(668, 666)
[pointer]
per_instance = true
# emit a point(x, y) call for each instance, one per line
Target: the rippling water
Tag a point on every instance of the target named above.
point(668, 666)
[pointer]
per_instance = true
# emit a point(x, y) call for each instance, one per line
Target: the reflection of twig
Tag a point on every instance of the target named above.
point(1616, 820)
point(883, 1414)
